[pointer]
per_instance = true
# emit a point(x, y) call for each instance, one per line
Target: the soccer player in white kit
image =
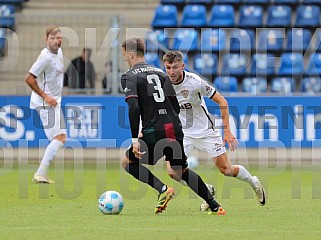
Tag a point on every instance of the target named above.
point(45, 78)
point(198, 124)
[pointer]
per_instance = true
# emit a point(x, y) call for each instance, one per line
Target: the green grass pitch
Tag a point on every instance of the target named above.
point(68, 209)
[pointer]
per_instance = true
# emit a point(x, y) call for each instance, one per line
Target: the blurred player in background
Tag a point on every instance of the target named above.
point(198, 126)
point(45, 78)
point(150, 95)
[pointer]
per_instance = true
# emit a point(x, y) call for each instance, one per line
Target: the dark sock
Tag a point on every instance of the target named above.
point(143, 174)
point(195, 182)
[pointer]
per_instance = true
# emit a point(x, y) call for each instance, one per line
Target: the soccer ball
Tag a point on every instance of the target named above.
point(110, 202)
point(192, 162)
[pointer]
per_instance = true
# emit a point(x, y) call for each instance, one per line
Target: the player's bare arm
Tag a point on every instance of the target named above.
point(32, 83)
point(229, 138)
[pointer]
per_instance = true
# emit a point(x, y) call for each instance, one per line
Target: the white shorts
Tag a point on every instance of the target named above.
point(214, 146)
point(53, 121)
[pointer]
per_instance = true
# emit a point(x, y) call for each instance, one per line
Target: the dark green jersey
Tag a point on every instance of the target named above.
point(150, 94)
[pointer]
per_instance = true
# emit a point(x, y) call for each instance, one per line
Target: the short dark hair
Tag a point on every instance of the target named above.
point(173, 56)
point(136, 45)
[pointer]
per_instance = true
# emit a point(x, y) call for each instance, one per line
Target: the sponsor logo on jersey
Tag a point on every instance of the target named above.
point(185, 93)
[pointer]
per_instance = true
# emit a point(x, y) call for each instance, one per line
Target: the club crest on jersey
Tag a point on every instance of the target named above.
point(208, 89)
point(185, 93)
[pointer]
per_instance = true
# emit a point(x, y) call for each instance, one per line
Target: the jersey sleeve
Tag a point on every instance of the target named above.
point(39, 65)
point(207, 89)
point(129, 86)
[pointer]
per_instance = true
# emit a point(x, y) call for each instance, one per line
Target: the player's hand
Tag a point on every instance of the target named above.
point(230, 140)
point(50, 100)
point(136, 150)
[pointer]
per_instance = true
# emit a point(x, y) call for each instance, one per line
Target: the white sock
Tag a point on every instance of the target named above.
point(244, 175)
point(49, 155)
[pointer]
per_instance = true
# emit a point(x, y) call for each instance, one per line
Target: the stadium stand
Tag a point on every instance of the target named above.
point(298, 39)
point(152, 58)
point(271, 40)
point(185, 40)
point(222, 16)
point(250, 16)
point(262, 64)
point(307, 16)
point(234, 64)
point(278, 16)
point(213, 39)
point(156, 40)
point(314, 65)
point(254, 85)
point(311, 85)
point(287, 2)
point(205, 64)
point(291, 64)
point(226, 84)
point(2, 41)
point(317, 45)
point(194, 16)
point(283, 85)
point(242, 39)
point(7, 16)
point(165, 16)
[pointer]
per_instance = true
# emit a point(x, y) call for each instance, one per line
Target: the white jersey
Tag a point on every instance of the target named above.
point(197, 122)
point(49, 70)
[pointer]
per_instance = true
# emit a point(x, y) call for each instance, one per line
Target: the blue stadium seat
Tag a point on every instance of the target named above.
point(291, 64)
point(165, 16)
point(2, 41)
point(185, 40)
point(259, 2)
point(241, 39)
point(205, 63)
point(278, 16)
point(222, 16)
point(298, 39)
point(7, 16)
point(307, 16)
point(311, 85)
point(271, 40)
point(157, 39)
point(287, 2)
point(16, 3)
point(152, 58)
point(283, 85)
point(262, 64)
point(314, 65)
point(250, 16)
point(226, 84)
point(213, 39)
point(254, 85)
point(194, 16)
point(234, 64)
point(316, 2)
point(317, 45)
point(235, 2)
point(201, 1)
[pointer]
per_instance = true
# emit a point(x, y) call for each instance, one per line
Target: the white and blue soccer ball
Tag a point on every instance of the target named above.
point(110, 202)
point(192, 162)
